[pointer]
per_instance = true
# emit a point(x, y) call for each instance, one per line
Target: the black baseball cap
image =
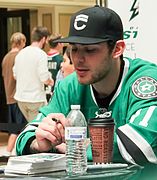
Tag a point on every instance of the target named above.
point(94, 25)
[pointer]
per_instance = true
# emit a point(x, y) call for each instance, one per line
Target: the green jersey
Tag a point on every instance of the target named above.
point(133, 107)
point(54, 63)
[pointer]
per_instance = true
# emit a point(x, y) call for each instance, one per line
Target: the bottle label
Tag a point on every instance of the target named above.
point(75, 133)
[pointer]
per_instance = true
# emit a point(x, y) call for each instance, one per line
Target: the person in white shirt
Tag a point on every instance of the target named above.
point(31, 73)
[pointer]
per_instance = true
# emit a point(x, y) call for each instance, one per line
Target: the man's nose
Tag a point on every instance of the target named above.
point(81, 56)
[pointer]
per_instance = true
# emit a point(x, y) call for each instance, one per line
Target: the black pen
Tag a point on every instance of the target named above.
point(56, 120)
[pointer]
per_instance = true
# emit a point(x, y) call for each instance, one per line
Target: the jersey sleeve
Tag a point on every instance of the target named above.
point(137, 139)
point(25, 138)
point(137, 133)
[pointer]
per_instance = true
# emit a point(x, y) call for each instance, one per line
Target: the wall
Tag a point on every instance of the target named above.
point(59, 17)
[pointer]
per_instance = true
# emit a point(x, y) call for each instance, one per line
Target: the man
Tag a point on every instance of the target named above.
point(31, 73)
point(16, 120)
point(54, 60)
point(54, 55)
point(103, 79)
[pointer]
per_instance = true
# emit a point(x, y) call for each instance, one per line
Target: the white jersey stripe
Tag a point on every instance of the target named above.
point(142, 144)
point(135, 116)
point(30, 127)
point(92, 93)
point(126, 67)
point(146, 118)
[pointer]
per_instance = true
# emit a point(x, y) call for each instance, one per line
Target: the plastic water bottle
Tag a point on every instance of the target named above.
point(75, 137)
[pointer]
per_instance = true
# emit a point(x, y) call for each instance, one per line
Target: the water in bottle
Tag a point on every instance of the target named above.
point(76, 136)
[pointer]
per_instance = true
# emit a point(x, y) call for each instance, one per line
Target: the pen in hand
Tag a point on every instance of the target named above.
point(56, 120)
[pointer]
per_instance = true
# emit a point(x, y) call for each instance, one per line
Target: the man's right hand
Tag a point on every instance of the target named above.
point(50, 134)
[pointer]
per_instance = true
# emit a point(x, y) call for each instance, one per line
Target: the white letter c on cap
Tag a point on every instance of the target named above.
point(80, 17)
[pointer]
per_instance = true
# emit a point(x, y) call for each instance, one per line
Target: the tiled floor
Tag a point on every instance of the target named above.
point(3, 138)
point(3, 142)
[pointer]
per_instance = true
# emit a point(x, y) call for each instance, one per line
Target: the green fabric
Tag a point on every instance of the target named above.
point(54, 63)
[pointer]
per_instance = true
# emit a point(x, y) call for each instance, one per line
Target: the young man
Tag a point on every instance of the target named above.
point(31, 73)
point(103, 79)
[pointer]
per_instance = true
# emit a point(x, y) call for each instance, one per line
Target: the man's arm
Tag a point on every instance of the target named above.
point(137, 139)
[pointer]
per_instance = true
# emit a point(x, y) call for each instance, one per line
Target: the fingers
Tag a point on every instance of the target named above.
point(42, 144)
point(60, 120)
point(61, 131)
point(51, 129)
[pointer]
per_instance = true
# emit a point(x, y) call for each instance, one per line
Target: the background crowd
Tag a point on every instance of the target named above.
point(30, 75)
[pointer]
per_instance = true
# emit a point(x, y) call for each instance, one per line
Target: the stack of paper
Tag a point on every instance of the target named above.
point(35, 163)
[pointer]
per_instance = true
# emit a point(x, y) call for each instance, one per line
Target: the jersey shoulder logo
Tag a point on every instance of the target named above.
point(145, 88)
point(80, 18)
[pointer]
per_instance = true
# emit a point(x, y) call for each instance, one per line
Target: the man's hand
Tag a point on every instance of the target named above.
point(49, 82)
point(50, 133)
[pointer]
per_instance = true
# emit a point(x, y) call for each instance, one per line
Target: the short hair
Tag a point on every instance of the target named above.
point(67, 52)
point(39, 32)
point(52, 38)
point(17, 38)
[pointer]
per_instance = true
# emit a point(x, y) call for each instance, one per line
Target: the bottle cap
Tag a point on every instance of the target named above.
point(75, 106)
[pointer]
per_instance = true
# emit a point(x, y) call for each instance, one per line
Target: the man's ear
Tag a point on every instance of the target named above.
point(119, 48)
point(44, 39)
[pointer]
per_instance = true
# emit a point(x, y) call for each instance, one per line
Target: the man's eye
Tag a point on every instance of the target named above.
point(74, 50)
point(90, 50)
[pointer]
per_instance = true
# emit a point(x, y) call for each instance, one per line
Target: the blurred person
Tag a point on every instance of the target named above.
point(55, 57)
point(59, 76)
point(16, 120)
point(67, 66)
point(31, 74)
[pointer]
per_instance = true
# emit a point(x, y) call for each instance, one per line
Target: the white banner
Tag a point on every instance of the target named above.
point(147, 39)
point(128, 10)
point(140, 27)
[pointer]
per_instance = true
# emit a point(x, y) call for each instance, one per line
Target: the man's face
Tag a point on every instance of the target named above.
point(92, 62)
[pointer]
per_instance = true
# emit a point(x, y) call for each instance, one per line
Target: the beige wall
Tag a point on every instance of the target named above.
point(33, 18)
point(54, 14)
point(57, 18)
point(64, 23)
point(62, 17)
point(33, 4)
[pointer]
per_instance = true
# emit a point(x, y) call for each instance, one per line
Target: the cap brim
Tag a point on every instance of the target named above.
point(81, 40)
